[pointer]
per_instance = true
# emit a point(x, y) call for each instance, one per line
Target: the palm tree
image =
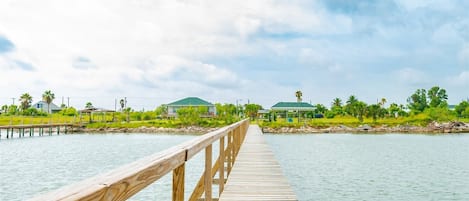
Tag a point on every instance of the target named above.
point(89, 105)
point(298, 95)
point(351, 100)
point(26, 101)
point(48, 97)
point(122, 103)
point(382, 102)
point(337, 102)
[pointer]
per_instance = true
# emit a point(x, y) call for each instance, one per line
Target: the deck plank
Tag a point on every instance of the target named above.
point(256, 174)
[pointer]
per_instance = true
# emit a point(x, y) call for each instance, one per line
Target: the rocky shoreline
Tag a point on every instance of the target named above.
point(434, 127)
point(143, 129)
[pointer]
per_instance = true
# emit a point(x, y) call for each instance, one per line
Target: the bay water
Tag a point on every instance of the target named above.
point(318, 166)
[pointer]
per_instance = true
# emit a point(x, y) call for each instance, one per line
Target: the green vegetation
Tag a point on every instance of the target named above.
point(423, 107)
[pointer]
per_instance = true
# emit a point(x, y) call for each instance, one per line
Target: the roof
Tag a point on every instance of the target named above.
point(45, 105)
point(191, 101)
point(293, 106)
point(94, 109)
point(263, 111)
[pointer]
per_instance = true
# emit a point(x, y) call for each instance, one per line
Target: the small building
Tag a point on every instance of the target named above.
point(93, 111)
point(284, 108)
point(263, 115)
point(44, 107)
point(191, 102)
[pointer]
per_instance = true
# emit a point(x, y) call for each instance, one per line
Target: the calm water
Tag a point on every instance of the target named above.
point(31, 166)
point(319, 167)
point(375, 167)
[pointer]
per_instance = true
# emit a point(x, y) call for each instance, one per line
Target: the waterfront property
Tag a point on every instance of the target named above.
point(44, 107)
point(292, 109)
point(191, 102)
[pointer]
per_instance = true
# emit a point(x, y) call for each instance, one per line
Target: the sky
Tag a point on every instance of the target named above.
point(259, 51)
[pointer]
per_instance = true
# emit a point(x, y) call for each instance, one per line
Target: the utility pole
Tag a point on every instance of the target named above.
point(125, 106)
point(13, 100)
point(68, 101)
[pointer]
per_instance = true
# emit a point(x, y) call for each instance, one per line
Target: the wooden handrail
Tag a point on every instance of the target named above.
point(126, 181)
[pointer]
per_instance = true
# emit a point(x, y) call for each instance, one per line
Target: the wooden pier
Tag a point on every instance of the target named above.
point(257, 166)
point(256, 174)
point(29, 130)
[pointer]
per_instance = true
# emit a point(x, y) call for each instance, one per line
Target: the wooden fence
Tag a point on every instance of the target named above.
point(124, 182)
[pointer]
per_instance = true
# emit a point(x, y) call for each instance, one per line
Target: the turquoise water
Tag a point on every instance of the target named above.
point(375, 167)
point(32, 166)
point(319, 166)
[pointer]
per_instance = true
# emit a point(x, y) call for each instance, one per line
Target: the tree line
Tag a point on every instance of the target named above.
point(432, 102)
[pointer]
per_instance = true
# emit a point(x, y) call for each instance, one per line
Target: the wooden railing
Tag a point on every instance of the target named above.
point(124, 182)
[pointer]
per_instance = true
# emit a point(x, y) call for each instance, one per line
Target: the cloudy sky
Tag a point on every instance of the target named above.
point(155, 52)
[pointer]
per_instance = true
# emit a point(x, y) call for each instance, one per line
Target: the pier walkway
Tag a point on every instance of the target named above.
point(256, 175)
point(245, 168)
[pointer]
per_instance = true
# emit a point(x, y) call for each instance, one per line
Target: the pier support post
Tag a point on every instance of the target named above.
point(208, 173)
point(221, 169)
point(178, 183)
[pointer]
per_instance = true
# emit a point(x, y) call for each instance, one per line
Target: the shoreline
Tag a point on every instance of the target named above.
point(432, 128)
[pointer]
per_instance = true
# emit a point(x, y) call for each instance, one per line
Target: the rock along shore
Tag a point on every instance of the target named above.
point(434, 127)
point(143, 129)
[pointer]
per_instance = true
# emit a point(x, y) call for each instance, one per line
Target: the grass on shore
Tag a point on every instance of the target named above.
point(106, 121)
point(416, 120)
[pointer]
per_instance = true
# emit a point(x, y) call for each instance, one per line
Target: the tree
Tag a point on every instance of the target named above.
point(12, 109)
point(461, 108)
point(320, 109)
point(188, 115)
point(89, 105)
point(298, 95)
point(360, 109)
point(122, 103)
point(351, 100)
point(396, 110)
point(25, 100)
point(252, 109)
point(337, 102)
point(48, 97)
point(437, 97)
point(417, 102)
point(162, 110)
point(69, 111)
point(382, 102)
point(4, 108)
point(350, 108)
point(372, 111)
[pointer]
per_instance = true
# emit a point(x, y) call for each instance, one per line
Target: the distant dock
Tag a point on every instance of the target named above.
point(30, 130)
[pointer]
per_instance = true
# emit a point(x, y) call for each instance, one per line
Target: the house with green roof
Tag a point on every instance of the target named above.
point(292, 106)
point(191, 102)
point(284, 108)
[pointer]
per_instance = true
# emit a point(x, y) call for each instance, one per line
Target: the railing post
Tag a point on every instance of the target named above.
point(178, 183)
point(230, 151)
point(208, 173)
point(221, 172)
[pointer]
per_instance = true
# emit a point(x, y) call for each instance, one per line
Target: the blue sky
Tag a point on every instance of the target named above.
point(259, 51)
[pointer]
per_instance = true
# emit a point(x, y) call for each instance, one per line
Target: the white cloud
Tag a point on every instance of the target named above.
point(412, 76)
point(464, 55)
point(461, 80)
